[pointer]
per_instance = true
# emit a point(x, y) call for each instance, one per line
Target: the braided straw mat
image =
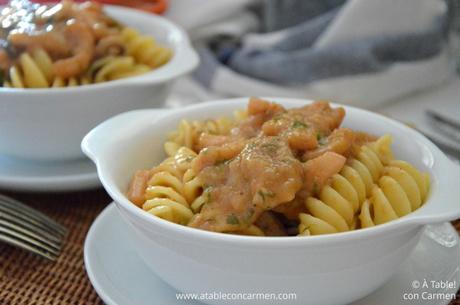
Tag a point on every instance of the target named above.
point(29, 280)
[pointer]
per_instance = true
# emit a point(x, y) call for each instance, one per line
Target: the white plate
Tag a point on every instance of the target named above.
point(120, 277)
point(23, 175)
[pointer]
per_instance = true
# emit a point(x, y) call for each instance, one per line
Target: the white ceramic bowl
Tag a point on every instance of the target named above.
point(328, 269)
point(49, 124)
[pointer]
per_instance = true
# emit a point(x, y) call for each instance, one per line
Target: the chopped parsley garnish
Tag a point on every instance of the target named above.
point(250, 213)
point(207, 189)
point(220, 162)
point(251, 146)
point(232, 220)
point(208, 196)
point(223, 162)
point(286, 161)
point(189, 158)
point(270, 147)
point(315, 189)
point(265, 194)
point(322, 140)
point(299, 124)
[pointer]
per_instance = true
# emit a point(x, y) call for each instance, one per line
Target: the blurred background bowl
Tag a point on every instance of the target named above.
point(49, 124)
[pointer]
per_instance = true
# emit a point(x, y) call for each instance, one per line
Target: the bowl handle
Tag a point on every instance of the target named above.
point(95, 142)
point(447, 207)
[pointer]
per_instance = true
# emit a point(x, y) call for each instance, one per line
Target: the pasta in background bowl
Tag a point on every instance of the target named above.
point(49, 123)
point(320, 269)
point(71, 44)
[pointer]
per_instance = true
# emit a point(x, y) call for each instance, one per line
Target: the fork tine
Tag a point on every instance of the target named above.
point(29, 236)
point(443, 119)
point(29, 223)
point(29, 228)
point(447, 149)
point(25, 210)
point(21, 244)
point(21, 207)
point(444, 125)
point(30, 241)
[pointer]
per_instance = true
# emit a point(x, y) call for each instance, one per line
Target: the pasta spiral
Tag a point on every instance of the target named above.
point(188, 132)
point(165, 195)
point(193, 190)
point(145, 49)
point(138, 54)
point(252, 230)
point(115, 67)
point(185, 135)
point(36, 71)
point(31, 71)
point(401, 189)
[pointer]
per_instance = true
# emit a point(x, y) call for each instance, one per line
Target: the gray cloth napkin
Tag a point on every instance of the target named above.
point(280, 14)
point(291, 58)
point(301, 66)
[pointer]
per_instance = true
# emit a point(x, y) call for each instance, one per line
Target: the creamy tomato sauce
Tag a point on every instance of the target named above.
point(271, 161)
point(261, 172)
point(264, 174)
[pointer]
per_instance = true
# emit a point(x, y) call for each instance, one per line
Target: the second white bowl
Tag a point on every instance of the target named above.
point(49, 124)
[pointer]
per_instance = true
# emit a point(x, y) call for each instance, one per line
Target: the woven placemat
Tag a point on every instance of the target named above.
point(26, 279)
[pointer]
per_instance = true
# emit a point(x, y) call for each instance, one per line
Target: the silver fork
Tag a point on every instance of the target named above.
point(24, 227)
point(447, 126)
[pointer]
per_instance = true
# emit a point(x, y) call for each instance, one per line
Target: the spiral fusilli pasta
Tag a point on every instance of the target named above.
point(188, 132)
point(185, 135)
point(165, 195)
point(252, 230)
point(193, 190)
point(115, 67)
point(31, 71)
point(401, 189)
point(36, 71)
point(145, 49)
